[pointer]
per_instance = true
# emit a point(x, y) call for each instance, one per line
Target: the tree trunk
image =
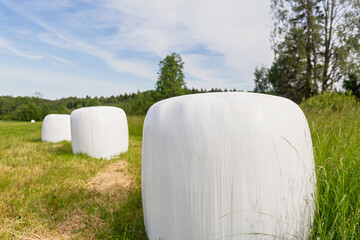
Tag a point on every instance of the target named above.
point(309, 47)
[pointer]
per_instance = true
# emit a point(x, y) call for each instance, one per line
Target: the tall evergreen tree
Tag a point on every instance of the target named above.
point(171, 77)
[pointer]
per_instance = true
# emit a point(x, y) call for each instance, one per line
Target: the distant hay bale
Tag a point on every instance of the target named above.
point(56, 128)
point(32, 121)
point(100, 132)
point(227, 166)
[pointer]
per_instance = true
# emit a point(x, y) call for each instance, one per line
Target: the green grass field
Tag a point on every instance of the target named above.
point(47, 192)
point(334, 121)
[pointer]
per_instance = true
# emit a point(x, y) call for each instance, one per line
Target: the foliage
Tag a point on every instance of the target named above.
point(93, 102)
point(170, 77)
point(352, 84)
point(28, 108)
point(329, 103)
point(23, 108)
point(316, 44)
point(262, 84)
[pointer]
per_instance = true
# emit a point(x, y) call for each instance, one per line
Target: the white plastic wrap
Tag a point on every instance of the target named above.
point(100, 132)
point(56, 128)
point(227, 166)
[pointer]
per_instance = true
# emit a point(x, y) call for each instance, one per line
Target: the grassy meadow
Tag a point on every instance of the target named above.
point(334, 121)
point(48, 193)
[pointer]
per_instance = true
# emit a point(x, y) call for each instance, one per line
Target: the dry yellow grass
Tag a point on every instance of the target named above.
point(114, 178)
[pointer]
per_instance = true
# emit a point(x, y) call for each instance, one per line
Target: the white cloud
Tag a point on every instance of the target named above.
point(237, 30)
point(60, 38)
point(204, 76)
point(4, 44)
point(59, 59)
point(221, 41)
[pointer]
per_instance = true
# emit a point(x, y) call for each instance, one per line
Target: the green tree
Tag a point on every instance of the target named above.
point(170, 77)
point(352, 83)
point(27, 112)
point(93, 102)
point(261, 80)
point(316, 44)
point(61, 109)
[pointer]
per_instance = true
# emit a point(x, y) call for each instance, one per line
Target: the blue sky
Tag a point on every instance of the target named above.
point(107, 47)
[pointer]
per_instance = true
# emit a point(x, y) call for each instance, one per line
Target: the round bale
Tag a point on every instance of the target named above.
point(227, 166)
point(56, 128)
point(100, 132)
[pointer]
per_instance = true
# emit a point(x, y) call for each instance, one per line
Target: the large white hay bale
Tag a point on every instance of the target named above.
point(100, 132)
point(227, 166)
point(56, 128)
point(32, 121)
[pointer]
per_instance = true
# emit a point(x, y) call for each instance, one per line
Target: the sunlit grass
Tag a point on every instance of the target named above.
point(43, 189)
point(334, 121)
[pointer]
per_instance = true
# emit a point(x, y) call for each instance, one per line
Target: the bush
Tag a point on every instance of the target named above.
point(329, 102)
point(352, 84)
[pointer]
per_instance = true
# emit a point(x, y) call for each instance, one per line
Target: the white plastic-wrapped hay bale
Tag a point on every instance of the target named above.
point(56, 128)
point(227, 166)
point(32, 121)
point(100, 132)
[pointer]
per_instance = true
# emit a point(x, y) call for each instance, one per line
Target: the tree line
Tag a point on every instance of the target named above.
point(28, 108)
point(170, 83)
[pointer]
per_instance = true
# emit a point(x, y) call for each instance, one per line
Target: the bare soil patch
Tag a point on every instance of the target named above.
point(114, 178)
point(4, 168)
point(113, 181)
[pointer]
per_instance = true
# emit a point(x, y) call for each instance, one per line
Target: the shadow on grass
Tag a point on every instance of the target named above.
point(92, 214)
point(62, 149)
point(35, 140)
point(128, 220)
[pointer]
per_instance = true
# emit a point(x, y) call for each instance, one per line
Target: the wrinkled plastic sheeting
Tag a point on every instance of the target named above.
point(227, 166)
point(56, 128)
point(100, 132)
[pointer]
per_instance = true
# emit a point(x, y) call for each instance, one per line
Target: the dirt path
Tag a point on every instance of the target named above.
point(113, 181)
point(113, 178)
